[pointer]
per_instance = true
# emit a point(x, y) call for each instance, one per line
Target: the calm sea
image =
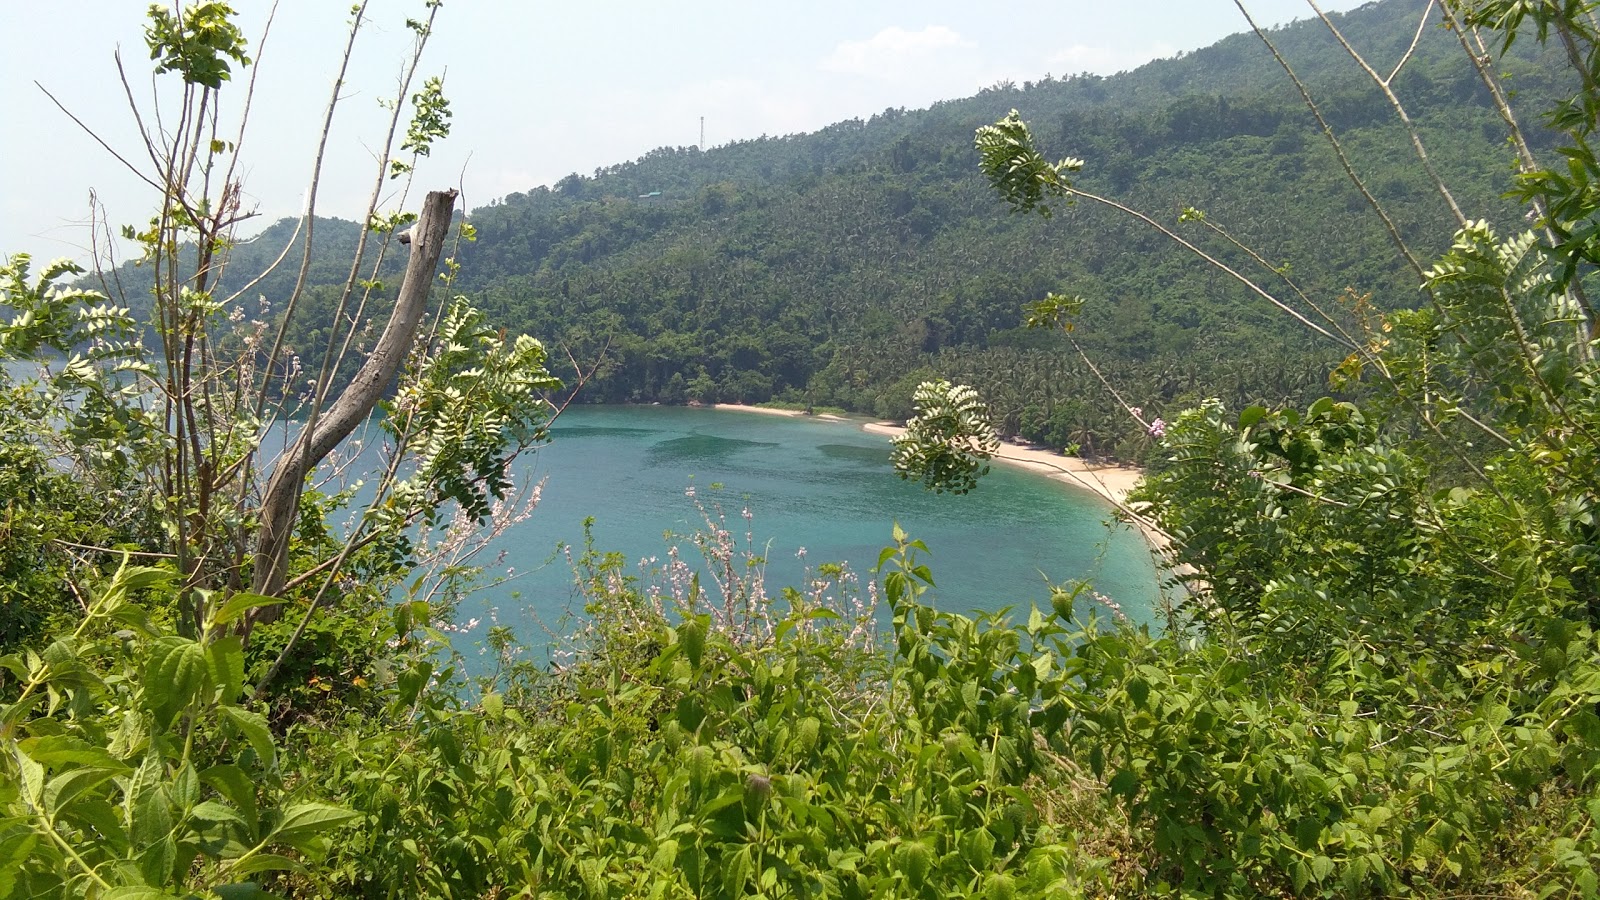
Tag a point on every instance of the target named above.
point(792, 484)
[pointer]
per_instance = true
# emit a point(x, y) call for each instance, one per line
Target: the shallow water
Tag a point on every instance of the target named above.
point(819, 485)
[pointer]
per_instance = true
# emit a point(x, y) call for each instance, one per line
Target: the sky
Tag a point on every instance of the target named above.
point(538, 90)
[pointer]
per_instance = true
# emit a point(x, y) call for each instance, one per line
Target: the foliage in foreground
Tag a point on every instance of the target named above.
point(720, 744)
point(1385, 680)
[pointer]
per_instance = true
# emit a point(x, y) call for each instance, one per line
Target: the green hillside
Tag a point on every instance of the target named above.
point(1379, 674)
point(841, 267)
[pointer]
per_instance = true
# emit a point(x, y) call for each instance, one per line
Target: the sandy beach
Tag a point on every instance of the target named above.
point(792, 413)
point(1112, 482)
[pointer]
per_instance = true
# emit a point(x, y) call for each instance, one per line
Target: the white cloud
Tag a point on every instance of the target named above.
point(892, 51)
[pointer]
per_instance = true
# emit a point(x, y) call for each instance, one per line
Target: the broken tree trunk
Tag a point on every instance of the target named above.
point(280, 503)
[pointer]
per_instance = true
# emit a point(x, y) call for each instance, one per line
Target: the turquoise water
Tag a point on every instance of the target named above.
point(823, 486)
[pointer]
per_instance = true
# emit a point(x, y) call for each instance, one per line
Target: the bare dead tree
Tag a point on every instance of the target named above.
point(280, 503)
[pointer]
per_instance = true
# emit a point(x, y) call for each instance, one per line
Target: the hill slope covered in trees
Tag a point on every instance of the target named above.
point(1384, 681)
point(842, 267)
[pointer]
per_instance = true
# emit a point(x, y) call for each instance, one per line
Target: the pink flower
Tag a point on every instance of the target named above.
point(1158, 428)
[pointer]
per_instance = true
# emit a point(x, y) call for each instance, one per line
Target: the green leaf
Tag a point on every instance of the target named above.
point(304, 821)
point(265, 862)
point(493, 705)
point(131, 579)
point(16, 845)
point(185, 787)
point(225, 665)
point(692, 634)
point(138, 892)
point(1584, 725)
point(254, 728)
point(58, 749)
point(1138, 692)
point(32, 779)
point(238, 605)
point(94, 813)
point(1307, 833)
point(159, 859)
point(234, 785)
point(173, 674)
point(245, 890)
point(67, 787)
point(212, 811)
point(149, 812)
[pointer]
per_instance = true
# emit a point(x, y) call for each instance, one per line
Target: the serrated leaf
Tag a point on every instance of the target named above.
point(254, 728)
point(1138, 692)
point(308, 820)
point(1124, 783)
point(246, 890)
point(16, 845)
point(264, 862)
point(63, 789)
point(100, 816)
point(138, 892)
point(225, 664)
point(185, 787)
point(32, 779)
point(58, 749)
point(157, 861)
point(149, 818)
point(238, 605)
point(234, 785)
point(173, 674)
point(212, 811)
point(129, 579)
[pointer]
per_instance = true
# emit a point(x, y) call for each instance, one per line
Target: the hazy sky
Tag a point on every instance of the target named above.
point(538, 90)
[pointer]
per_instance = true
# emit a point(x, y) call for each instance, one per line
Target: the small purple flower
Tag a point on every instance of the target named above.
point(1158, 428)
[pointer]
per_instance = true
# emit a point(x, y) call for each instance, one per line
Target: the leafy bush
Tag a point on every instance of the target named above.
point(131, 769)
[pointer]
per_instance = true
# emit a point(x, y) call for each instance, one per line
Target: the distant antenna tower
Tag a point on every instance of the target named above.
point(702, 133)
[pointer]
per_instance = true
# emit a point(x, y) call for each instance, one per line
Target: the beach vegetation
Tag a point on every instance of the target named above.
point(1383, 677)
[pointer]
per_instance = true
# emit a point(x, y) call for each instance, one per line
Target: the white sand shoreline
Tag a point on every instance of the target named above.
point(1111, 483)
point(768, 411)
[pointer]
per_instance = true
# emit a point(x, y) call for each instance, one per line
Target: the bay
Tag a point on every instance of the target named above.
point(791, 483)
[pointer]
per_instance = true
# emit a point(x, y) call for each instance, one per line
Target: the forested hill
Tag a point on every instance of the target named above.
point(841, 267)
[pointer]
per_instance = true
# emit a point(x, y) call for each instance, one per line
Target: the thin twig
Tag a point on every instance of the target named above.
point(1220, 265)
point(1399, 108)
point(1338, 148)
point(98, 140)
